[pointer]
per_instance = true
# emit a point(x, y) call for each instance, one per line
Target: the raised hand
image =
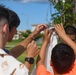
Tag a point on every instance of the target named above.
point(59, 30)
point(38, 29)
point(61, 33)
point(32, 50)
point(47, 35)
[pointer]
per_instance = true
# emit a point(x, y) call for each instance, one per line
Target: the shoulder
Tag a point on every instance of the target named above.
point(41, 70)
point(72, 70)
point(13, 66)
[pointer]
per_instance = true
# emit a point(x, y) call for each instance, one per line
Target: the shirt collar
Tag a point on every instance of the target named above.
point(2, 51)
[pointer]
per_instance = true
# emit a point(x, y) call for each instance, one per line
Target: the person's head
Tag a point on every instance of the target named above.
point(71, 32)
point(4, 28)
point(62, 58)
point(14, 23)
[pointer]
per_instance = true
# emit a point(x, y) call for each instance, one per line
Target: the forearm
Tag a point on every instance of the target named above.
point(41, 56)
point(20, 48)
point(27, 65)
point(68, 41)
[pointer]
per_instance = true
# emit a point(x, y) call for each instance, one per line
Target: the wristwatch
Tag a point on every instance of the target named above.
point(30, 60)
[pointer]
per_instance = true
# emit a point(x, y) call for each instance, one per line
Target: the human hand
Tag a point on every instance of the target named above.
point(60, 30)
point(38, 29)
point(32, 50)
point(47, 35)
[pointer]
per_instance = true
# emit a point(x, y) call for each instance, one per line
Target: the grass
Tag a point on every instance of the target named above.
point(14, 42)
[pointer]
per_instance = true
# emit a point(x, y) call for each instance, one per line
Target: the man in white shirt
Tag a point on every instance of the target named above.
point(8, 64)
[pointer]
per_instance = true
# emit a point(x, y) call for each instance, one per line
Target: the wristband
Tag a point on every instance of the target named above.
point(31, 36)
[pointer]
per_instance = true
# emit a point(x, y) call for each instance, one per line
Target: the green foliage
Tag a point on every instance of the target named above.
point(26, 34)
point(40, 36)
point(65, 12)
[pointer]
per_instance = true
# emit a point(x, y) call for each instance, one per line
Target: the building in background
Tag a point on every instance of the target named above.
point(18, 35)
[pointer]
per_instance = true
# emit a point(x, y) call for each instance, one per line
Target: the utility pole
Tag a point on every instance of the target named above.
point(26, 20)
point(26, 15)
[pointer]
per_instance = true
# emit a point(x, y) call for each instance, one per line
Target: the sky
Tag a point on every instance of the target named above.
point(30, 11)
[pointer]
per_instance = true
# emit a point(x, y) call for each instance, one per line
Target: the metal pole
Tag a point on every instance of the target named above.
point(26, 20)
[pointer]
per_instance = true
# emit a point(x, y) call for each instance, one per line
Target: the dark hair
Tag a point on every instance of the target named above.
point(62, 57)
point(14, 19)
point(4, 14)
point(71, 30)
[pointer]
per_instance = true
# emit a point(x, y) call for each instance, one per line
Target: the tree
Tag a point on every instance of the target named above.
point(26, 34)
point(65, 12)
